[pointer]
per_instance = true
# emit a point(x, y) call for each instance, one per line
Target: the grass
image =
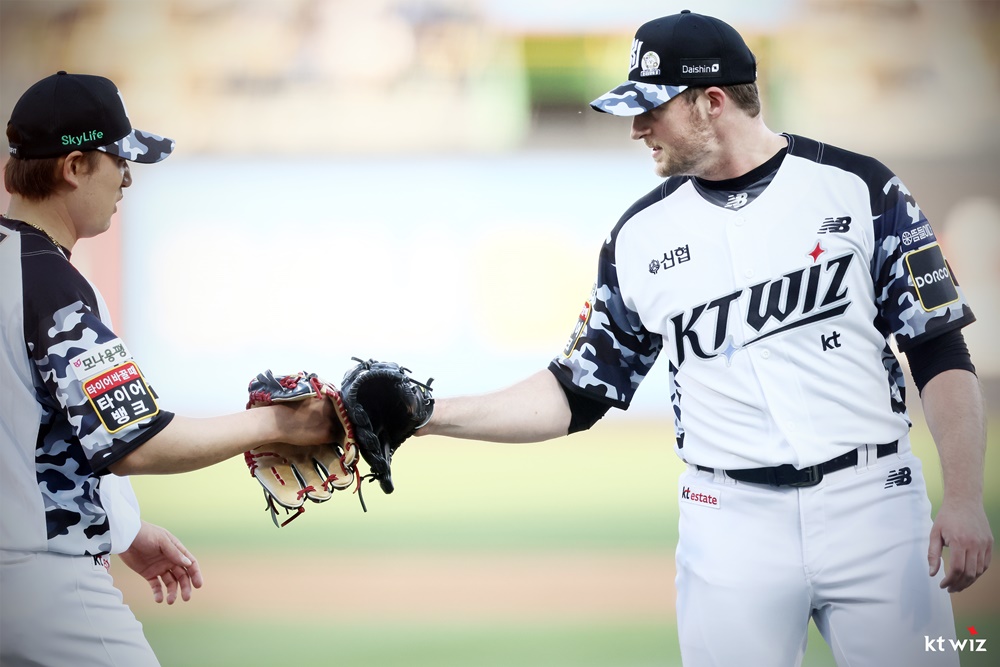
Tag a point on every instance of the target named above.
point(612, 643)
point(640, 644)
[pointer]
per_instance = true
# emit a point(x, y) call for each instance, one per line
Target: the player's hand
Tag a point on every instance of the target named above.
point(308, 422)
point(163, 561)
point(965, 530)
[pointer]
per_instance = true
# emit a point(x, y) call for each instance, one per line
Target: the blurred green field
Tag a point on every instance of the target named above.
point(611, 490)
point(222, 643)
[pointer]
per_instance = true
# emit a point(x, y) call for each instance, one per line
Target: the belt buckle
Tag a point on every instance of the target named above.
point(814, 475)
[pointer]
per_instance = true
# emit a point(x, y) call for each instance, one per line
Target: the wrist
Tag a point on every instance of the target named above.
point(963, 498)
point(268, 423)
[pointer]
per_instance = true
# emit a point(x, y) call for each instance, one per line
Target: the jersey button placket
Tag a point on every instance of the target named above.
point(744, 246)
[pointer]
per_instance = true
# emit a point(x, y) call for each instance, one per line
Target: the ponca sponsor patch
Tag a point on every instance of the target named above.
point(931, 277)
point(121, 397)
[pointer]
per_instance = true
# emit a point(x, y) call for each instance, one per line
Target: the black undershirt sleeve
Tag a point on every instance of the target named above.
point(941, 353)
point(585, 411)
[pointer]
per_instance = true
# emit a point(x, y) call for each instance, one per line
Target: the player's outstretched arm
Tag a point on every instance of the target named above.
point(953, 408)
point(160, 558)
point(532, 410)
point(188, 444)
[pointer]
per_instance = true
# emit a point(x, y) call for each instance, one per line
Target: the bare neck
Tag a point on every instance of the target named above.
point(742, 145)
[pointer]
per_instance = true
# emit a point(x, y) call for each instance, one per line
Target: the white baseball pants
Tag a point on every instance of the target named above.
point(755, 563)
point(64, 611)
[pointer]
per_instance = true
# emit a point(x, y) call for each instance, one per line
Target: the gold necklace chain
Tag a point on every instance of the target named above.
point(50, 237)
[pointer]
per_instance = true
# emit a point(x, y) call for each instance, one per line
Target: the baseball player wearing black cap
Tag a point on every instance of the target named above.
point(770, 271)
point(76, 412)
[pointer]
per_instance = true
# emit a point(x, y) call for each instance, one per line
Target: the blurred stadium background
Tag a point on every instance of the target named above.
point(423, 181)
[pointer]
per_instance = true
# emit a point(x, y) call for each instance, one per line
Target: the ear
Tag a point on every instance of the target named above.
point(717, 100)
point(72, 168)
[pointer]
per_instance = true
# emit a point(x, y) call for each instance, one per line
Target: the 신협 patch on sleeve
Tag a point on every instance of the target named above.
point(120, 397)
point(931, 277)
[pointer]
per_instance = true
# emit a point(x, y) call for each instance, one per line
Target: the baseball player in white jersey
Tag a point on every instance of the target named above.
point(769, 272)
point(76, 411)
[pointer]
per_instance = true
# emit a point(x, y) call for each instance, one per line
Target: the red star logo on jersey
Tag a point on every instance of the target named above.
point(816, 252)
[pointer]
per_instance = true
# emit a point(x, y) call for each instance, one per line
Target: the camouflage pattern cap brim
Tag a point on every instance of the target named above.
point(633, 98)
point(141, 146)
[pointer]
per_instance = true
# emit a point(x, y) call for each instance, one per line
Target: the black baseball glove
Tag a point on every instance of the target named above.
point(386, 406)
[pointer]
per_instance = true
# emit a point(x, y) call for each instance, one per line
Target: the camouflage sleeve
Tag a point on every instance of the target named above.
point(87, 379)
point(916, 291)
point(609, 352)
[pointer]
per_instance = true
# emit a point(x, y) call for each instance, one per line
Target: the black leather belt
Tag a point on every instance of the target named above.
point(789, 475)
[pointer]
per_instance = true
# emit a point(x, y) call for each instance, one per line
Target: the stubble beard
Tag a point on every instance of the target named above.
point(685, 157)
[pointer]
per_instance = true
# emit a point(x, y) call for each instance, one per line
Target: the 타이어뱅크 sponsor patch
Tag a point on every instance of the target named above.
point(931, 277)
point(121, 397)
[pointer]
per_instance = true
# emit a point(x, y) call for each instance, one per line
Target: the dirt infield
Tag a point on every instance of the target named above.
point(435, 587)
point(428, 587)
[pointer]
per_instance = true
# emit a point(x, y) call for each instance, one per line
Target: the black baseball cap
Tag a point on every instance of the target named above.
point(64, 112)
point(674, 53)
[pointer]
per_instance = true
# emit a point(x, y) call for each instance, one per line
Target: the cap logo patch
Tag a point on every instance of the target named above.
point(79, 139)
point(700, 67)
point(633, 60)
point(650, 64)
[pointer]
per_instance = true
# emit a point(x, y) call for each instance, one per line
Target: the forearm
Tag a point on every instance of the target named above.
point(953, 408)
point(188, 444)
point(533, 410)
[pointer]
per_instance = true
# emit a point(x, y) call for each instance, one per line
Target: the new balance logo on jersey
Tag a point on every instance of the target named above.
point(809, 295)
point(900, 477)
point(835, 225)
point(737, 201)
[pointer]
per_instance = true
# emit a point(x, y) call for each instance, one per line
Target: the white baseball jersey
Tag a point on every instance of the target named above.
point(773, 305)
point(74, 402)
